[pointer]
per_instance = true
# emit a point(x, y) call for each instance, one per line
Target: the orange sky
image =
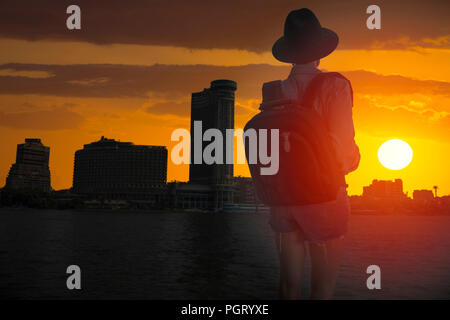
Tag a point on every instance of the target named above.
point(139, 92)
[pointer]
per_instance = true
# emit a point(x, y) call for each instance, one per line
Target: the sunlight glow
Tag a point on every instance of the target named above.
point(395, 154)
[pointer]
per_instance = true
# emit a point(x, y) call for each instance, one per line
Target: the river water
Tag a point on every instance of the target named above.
point(140, 255)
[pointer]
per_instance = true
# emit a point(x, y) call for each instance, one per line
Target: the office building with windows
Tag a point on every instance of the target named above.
point(120, 170)
point(31, 170)
point(213, 108)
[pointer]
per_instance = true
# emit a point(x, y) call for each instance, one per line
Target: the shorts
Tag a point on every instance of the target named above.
point(316, 222)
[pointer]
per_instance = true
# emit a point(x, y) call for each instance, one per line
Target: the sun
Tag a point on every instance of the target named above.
point(395, 154)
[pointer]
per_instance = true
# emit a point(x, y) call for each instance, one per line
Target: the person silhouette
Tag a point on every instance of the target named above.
point(305, 214)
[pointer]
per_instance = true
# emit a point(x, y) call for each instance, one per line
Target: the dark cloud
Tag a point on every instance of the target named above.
point(177, 82)
point(234, 24)
point(55, 119)
point(166, 81)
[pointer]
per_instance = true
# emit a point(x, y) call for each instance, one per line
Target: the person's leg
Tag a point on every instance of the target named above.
point(291, 252)
point(325, 260)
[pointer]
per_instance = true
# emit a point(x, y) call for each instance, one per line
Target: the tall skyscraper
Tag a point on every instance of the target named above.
point(120, 170)
point(214, 107)
point(31, 169)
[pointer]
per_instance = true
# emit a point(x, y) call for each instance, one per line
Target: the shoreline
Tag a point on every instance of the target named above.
point(160, 211)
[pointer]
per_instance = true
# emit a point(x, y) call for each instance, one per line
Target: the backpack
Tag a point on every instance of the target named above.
point(308, 172)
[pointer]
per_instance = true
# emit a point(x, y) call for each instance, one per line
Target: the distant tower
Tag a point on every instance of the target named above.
point(435, 191)
point(214, 107)
point(31, 169)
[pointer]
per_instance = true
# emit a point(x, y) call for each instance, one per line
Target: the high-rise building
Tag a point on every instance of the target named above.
point(120, 170)
point(31, 169)
point(213, 108)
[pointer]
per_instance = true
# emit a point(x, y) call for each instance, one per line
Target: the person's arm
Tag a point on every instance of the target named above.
point(339, 104)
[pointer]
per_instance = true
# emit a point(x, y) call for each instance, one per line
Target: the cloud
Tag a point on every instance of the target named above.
point(251, 25)
point(26, 74)
point(380, 116)
point(385, 104)
point(167, 81)
point(373, 83)
point(55, 119)
point(177, 82)
point(440, 41)
point(406, 42)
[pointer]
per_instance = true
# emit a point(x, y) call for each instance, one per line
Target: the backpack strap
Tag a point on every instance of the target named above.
point(314, 86)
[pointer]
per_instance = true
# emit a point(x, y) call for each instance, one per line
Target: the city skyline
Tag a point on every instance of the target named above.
point(138, 88)
point(397, 183)
point(219, 151)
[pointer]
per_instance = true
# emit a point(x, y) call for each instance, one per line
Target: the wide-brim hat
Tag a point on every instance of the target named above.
point(304, 39)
